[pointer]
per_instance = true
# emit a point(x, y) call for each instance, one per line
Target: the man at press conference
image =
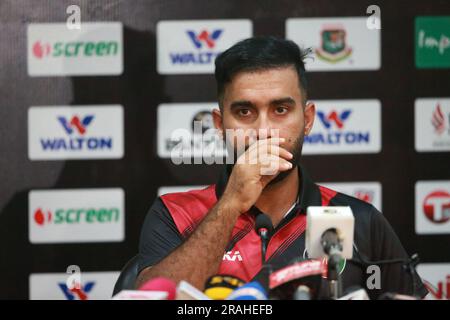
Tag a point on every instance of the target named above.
point(261, 84)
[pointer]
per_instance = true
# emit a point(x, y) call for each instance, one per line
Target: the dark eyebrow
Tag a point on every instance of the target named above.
point(275, 102)
point(241, 103)
point(287, 100)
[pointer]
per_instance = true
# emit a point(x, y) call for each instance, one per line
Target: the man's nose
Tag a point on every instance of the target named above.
point(265, 127)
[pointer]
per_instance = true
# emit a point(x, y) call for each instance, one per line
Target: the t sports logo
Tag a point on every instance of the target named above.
point(345, 126)
point(433, 207)
point(436, 206)
point(75, 132)
point(192, 46)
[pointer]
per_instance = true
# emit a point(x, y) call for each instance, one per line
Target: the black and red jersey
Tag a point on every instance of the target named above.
point(173, 217)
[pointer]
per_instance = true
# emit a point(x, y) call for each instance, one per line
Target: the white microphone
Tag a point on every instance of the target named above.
point(140, 295)
point(329, 234)
point(359, 294)
point(323, 222)
point(186, 291)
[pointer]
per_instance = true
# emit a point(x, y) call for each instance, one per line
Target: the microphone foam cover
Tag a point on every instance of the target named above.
point(263, 221)
point(161, 284)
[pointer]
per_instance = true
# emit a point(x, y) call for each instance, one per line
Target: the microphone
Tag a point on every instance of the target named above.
point(249, 291)
point(396, 296)
point(161, 284)
point(154, 289)
point(355, 293)
point(219, 287)
point(264, 228)
point(285, 282)
point(140, 295)
point(186, 291)
point(329, 234)
point(302, 293)
point(329, 231)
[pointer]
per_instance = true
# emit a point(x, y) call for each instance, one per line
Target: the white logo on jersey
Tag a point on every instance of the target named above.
point(230, 256)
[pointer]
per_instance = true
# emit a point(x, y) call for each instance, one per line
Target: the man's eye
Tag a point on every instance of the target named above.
point(244, 112)
point(280, 110)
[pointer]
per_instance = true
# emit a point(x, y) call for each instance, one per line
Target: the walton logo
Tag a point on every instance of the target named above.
point(76, 215)
point(202, 55)
point(204, 37)
point(338, 136)
point(436, 206)
point(230, 256)
point(442, 291)
point(76, 143)
point(79, 292)
point(333, 116)
point(438, 120)
point(75, 122)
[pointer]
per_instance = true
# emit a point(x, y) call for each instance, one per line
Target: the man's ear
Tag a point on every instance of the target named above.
point(310, 113)
point(217, 118)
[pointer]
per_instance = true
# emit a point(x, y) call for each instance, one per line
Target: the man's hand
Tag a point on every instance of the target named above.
point(254, 169)
point(199, 257)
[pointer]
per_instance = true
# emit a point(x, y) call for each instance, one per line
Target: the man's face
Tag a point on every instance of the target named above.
point(267, 99)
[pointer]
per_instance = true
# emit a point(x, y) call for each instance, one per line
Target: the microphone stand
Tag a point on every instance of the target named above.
point(332, 246)
point(408, 264)
point(264, 227)
point(265, 267)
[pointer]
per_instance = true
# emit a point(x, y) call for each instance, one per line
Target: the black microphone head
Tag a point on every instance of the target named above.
point(263, 222)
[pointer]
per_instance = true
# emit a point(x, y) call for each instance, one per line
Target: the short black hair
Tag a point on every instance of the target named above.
point(260, 53)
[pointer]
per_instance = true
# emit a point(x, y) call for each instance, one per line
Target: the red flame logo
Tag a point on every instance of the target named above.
point(40, 50)
point(40, 216)
point(438, 120)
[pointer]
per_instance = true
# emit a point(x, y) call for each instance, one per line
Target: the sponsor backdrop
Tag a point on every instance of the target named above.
point(92, 116)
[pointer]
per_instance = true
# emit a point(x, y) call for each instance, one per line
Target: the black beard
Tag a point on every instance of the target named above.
point(295, 161)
